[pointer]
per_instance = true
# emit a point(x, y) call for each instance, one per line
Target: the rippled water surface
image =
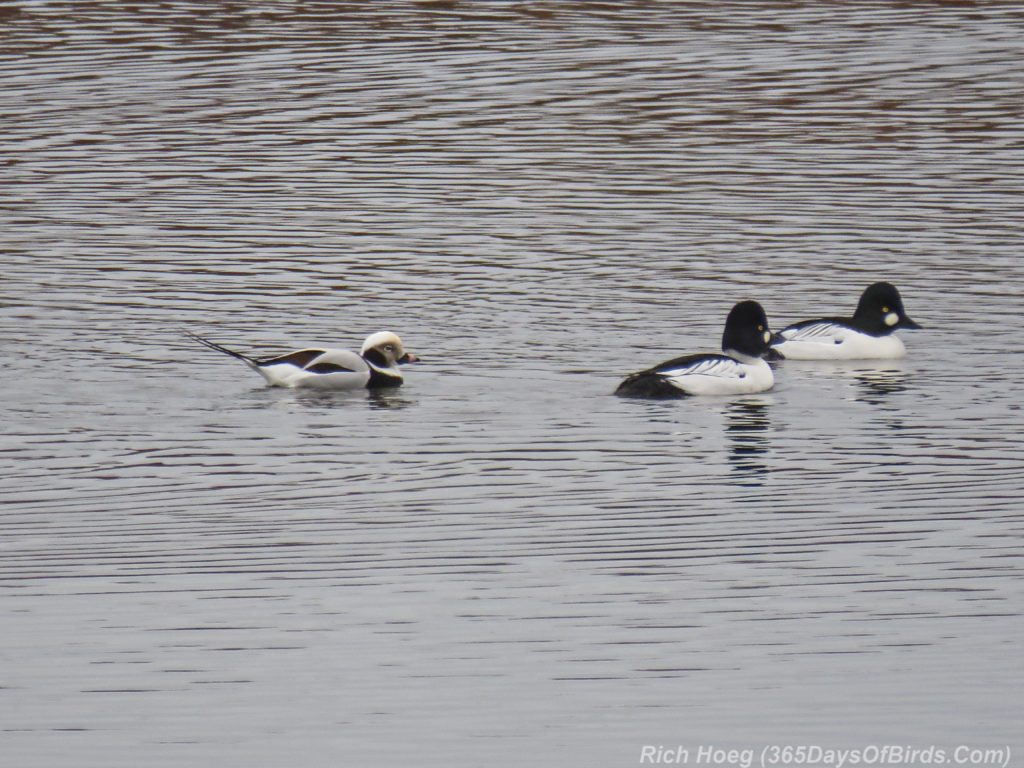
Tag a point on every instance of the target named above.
point(501, 564)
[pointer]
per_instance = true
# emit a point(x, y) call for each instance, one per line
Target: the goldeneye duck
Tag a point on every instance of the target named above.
point(376, 365)
point(866, 335)
point(740, 370)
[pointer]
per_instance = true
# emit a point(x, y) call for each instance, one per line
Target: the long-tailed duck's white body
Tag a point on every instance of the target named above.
point(326, 369)
point(376, 365)
point(868, 335)
point(740, 370)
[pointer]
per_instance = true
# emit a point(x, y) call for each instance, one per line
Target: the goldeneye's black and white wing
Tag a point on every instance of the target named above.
point(689, 375)
point(710, 375)
point(815, 332)
point(833, 339)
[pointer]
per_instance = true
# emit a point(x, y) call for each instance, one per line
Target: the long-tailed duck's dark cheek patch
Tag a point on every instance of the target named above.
point(376, 357)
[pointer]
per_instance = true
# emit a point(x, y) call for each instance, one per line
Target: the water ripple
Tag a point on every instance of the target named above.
point(540, 197)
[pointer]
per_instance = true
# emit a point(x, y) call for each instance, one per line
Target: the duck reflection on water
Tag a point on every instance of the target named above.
point(746, 428)
point(875, 386)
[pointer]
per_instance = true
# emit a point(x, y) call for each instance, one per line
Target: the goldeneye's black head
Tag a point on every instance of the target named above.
point(746, 331)
point(880, 310)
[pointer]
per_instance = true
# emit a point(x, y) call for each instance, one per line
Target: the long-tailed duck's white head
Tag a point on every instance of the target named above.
point(384, 349)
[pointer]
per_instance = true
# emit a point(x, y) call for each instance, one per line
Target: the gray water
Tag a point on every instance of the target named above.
point(501, 564)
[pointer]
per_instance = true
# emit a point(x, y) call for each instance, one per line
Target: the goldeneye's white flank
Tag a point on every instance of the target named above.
point(740, 370)
point(376, 365)
point(867, 335)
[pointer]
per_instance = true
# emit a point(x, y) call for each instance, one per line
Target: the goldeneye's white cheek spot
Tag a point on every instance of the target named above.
point(767, 337)
point(891, 319)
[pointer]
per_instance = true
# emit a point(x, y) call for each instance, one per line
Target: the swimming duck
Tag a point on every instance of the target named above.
point(739, 370)
point(866, 335)
point(376, 365)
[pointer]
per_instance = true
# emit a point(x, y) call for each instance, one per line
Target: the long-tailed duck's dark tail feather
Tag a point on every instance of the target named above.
point(222, 350)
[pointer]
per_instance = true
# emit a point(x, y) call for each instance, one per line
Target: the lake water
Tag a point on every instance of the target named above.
point(501, 564)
